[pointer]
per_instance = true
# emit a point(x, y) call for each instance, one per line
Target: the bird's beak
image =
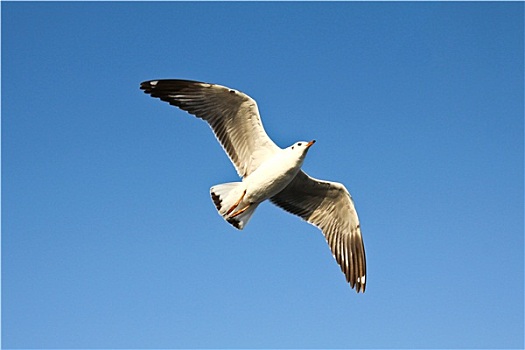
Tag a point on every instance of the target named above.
point(309, 144)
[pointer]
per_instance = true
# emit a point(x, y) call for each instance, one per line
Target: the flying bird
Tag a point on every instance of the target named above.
point(268, 172)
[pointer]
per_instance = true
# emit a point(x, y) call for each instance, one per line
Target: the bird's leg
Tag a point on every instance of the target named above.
point(239, 212)
point(236, 204)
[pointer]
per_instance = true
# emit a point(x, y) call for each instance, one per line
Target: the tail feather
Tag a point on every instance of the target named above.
point(225, 196)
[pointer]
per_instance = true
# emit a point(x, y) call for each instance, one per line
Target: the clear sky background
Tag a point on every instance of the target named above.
point(110, 239)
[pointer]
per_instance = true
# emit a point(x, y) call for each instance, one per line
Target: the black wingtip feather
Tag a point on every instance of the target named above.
point(153, 84)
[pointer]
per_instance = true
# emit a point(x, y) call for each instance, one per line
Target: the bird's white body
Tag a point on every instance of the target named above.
point(266, 181)
point(273, 175)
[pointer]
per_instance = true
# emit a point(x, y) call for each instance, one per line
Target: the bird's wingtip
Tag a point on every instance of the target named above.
point(148, 85)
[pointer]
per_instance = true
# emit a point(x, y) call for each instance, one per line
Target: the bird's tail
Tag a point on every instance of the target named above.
point(230, 203)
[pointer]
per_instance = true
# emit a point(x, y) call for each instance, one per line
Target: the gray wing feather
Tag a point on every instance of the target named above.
point(329, 206)
point(232, 115)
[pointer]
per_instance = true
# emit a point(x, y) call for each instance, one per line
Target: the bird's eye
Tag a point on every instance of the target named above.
point(299, 144)
point(292, 147)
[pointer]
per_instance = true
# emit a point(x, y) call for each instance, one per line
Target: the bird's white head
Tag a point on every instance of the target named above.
point(301, 147)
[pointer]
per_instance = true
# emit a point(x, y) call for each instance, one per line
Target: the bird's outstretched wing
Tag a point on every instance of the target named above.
point(232, 115)
point(329, 206)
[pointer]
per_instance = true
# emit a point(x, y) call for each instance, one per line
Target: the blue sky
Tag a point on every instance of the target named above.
point(110, 239)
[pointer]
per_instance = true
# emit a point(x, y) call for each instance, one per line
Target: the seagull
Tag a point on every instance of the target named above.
point(268, 172)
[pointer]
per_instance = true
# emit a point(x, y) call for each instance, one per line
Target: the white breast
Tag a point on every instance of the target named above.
point(272, 176)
